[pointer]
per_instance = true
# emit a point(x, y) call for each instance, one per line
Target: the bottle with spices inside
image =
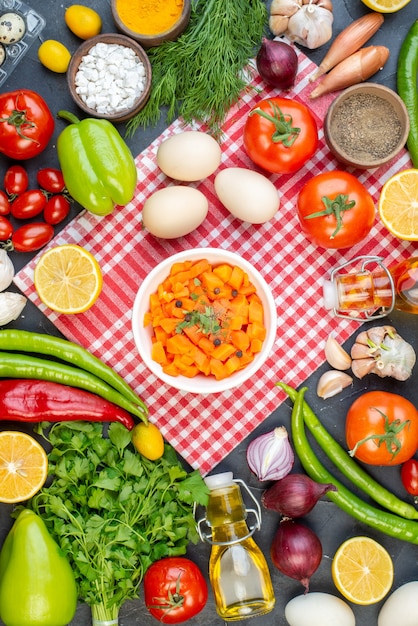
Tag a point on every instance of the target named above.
point(372, 290)
point(238, 571)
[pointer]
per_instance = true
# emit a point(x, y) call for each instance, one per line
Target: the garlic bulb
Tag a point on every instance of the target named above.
point(310, 26)
point(11, 306)
point(7, 270)
point(270, 456)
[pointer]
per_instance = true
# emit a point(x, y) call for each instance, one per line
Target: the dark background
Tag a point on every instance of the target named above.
point(331, 525)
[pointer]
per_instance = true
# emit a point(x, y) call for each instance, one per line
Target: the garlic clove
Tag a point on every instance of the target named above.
point(11, 306)
point(278, 24)
point(335, 354)
point(7, 270)
point(332, 383)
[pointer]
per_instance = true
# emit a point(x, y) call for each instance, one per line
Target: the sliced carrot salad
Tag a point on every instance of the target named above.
point(206, 319)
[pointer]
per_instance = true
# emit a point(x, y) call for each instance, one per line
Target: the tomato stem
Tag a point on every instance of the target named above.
point(389, 437)
point(19, 120)
point(284, 132)
point(335, 207)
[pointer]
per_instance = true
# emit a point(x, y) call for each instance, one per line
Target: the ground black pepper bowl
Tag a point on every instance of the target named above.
point(155, 39)
point(366, 126)
point(83, 50)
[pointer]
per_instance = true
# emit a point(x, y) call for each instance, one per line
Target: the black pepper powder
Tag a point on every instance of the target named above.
point(366, 127)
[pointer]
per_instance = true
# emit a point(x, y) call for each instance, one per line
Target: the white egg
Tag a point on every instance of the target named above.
point(189, 156)
point(174, 211)
point(319, 609)
point(401, 607)
point(248, 195)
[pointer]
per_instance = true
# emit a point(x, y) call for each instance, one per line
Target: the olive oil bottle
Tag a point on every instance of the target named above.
point(238, 571)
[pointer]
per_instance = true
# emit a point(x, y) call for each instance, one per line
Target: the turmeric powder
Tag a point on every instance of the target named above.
point(149, 17)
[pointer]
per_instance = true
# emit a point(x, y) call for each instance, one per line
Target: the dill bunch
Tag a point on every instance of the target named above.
point(201, 74)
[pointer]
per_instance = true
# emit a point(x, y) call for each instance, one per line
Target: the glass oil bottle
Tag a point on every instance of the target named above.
point(238, 571)
point(372, 290)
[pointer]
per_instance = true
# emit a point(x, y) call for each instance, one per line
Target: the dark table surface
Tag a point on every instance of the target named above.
point(331, 525)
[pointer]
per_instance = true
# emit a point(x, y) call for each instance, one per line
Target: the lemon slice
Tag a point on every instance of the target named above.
point(23, 466)
point(362, 570)
point(386, 6)
point(68, 279)
point(398, 205)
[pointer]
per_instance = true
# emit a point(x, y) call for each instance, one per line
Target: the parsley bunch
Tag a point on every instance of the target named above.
point(112, 511)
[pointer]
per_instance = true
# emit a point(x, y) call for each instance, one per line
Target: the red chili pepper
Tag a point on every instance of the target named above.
point(29, 400)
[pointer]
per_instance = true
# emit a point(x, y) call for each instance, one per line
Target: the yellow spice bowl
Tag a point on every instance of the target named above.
point(154, 39)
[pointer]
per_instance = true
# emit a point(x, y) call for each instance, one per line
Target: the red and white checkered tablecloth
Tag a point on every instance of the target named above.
point(205, 429)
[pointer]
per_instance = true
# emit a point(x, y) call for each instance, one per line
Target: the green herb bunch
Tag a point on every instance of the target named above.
point(202, 74)
point(112, 511)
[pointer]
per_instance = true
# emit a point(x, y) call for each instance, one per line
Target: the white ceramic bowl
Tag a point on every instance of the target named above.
point(201, 384)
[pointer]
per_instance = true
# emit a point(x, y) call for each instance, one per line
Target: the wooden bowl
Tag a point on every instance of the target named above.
point(83, 50)
point(149, 41)
point(366, 126)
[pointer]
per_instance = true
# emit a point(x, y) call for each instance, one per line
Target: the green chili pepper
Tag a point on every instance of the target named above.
point(13, 365)
point(348, 466)
point(37, 584)
point(407, 86)
point(388, 523)
point(98, 168)
point(38, 343)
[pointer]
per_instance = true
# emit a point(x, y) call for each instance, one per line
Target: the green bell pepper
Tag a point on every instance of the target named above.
point(37, 584)
point(98, 167)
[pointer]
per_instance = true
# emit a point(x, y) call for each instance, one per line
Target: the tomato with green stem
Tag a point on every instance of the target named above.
point(56, 209)
point(51, 179)
point(28, 204)
point(335, 210)
point(280, 135)
point(4, 203)
point(381, 428)
point(6, 228)
point(175, 590)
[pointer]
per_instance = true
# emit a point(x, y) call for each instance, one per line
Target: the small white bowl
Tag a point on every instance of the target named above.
point(201, 384)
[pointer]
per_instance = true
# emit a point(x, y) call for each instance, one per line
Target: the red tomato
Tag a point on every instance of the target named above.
point(51, 180)
point(280, 135)
point(28, 204)
point(382, 428)
point(174, 590)
point(6, 229)
point(4, 203)
point(56, 209)
point(31, 237)
point(16, 180)
point(335, 210)
point(409, 476)
point(26, 124)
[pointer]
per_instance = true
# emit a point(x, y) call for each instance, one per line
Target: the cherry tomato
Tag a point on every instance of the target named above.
point(335, 210)
point(51, 180)
point(4, 203)
point(31, 237)
point(409, 476)
point(29, 204)
point(27, 124)
point(381, 428)
point(6, 228)
point(280, 135)
point(174, 590)
point(56, 209)
point(16, 180)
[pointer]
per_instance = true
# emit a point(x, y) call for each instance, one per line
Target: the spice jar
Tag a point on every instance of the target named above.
point(238, 571)
point(371, 290)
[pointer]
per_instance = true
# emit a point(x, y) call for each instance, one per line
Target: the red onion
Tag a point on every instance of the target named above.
point(294, 495)
point(296, 551)
point(277, 63)
point(270, 456)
